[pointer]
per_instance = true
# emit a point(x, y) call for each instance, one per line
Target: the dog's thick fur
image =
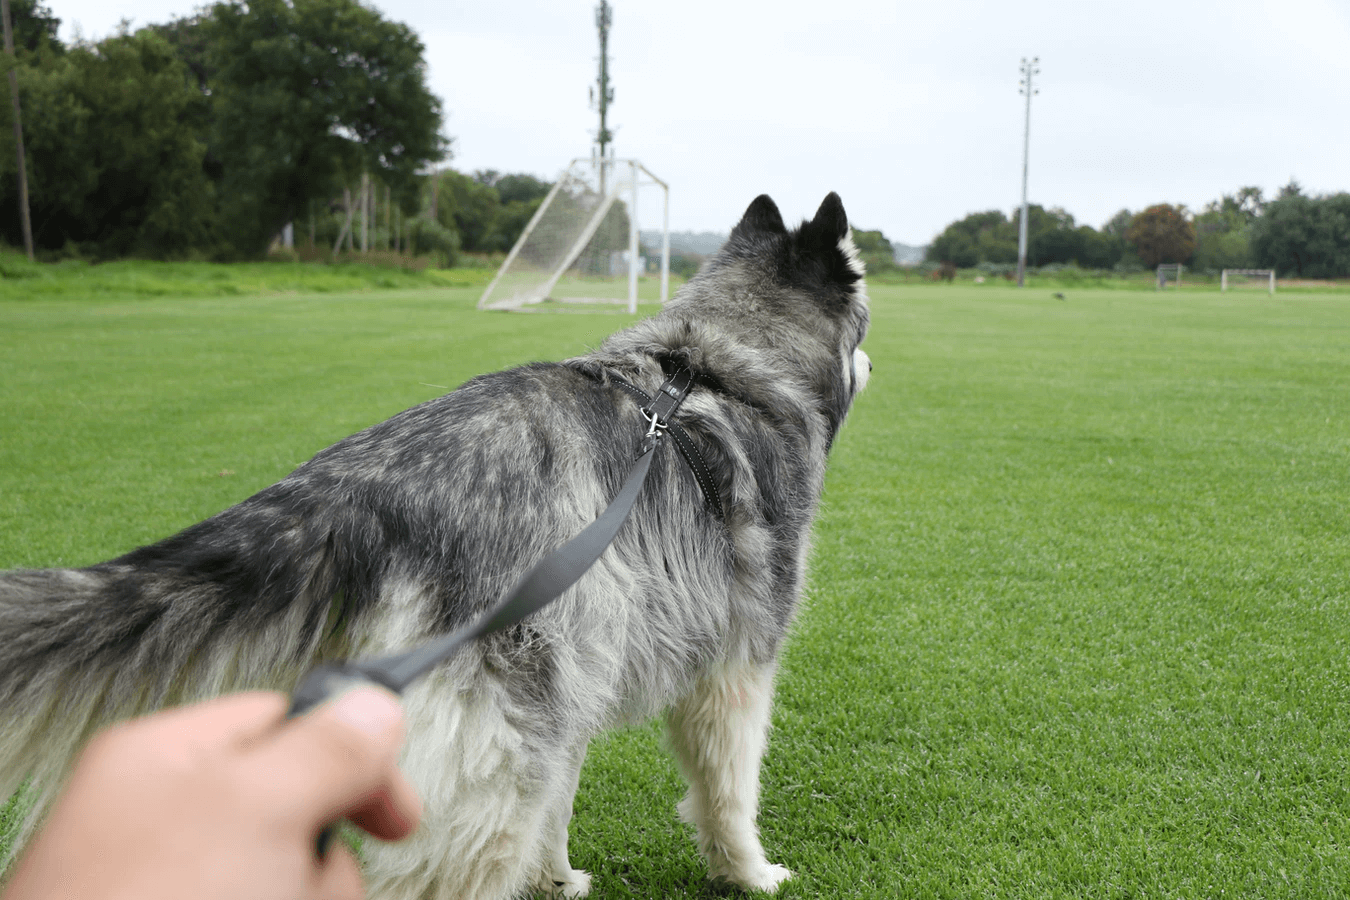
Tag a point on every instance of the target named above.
point(422, 522)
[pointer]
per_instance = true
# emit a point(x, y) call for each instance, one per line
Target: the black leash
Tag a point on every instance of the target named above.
point(542, 584)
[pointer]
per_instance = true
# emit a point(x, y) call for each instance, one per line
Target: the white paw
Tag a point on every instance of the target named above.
point(765, 878)
point(568, 883)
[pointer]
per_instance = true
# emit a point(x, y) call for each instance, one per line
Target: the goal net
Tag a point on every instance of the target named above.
point(1170, 272)
point(1261, 279)
point(582, 244)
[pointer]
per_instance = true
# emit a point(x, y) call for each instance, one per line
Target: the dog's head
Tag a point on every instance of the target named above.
point(796, 296)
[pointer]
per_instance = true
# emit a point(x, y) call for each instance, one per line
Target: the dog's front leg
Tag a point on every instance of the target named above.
point(719, 732)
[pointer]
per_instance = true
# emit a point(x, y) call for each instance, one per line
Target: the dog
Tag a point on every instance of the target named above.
point(421, 523)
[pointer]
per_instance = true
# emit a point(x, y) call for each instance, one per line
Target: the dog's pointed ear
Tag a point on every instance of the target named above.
point(831, 222)
point(762, 215)
point(827, 238)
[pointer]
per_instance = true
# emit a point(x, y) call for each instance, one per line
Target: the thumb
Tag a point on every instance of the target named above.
point(329, 761)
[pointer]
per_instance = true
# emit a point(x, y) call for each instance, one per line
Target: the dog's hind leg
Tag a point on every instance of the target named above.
point(719, 732)
point(558, 878)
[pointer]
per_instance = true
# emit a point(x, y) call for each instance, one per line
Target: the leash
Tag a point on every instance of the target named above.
point(539, 586)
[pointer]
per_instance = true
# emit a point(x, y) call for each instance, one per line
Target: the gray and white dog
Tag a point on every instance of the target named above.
point(420, 523)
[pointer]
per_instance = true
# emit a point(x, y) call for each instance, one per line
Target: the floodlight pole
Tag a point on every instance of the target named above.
point(602, 93)
point(18, 130)
point(1028, 70)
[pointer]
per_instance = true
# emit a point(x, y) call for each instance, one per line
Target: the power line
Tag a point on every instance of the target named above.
point(1028, 71)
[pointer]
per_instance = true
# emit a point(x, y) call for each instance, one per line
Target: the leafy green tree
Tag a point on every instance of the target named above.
point(521, 188)
point(1222, 230)
point(519, 196)
point(1162, 234)
point(306, 95)
point(1118, 224)
point(34, 26)
point(468, 207)
point(1098, 249)
point(973, 239)
point(489, 210)
point(1051, 237)
point(1304, 236)
point(877, 253)
point(111, 169)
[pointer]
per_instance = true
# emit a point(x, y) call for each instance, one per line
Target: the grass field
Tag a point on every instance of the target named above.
point(1080, 600)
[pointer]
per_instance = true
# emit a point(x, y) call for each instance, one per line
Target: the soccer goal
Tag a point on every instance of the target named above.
point(1172, 271)
point(1248, 278)
point(583, 239)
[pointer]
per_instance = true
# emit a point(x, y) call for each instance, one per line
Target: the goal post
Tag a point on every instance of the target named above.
point(1172, 271)
point(1247, 277)
point(584, 234)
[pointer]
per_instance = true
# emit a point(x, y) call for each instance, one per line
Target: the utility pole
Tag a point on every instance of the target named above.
point(602, 95)
point(18, 130)
point(1028, 70)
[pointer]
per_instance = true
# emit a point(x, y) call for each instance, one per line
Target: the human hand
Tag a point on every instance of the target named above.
point(222, 800)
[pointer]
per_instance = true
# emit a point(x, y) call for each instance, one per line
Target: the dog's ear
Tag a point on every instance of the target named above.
point(762, 215)
point(826, 238)
point(831, 222)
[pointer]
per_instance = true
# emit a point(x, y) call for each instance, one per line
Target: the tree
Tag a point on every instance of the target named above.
point(1222, 230)
point(1098, 249)
point(34, 27)
point(979, 237)
point(307, 95)
point(1162, 234)
point(876, 252)
point(1118, 224)
point(489, 210)
point(111, 169)
point(1306, 236)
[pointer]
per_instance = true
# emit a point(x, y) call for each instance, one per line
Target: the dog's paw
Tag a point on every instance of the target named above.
point(765, 878)
point(569, 883)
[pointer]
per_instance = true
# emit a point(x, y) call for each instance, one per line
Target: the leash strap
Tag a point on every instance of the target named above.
point(542, 584)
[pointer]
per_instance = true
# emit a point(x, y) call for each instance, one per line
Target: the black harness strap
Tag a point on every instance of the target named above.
point(683, 443)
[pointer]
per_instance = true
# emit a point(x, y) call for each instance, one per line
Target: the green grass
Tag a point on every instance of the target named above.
point(1080, 598)
point(81, 280)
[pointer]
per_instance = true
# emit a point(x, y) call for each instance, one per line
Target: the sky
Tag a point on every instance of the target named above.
point(911, 112)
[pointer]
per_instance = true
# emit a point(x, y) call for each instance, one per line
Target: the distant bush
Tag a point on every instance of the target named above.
point(427, 236)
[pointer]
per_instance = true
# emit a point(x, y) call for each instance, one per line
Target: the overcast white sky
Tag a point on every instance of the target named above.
point(910, 111)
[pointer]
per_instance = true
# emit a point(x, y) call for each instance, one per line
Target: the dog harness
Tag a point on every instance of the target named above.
point(668, 399)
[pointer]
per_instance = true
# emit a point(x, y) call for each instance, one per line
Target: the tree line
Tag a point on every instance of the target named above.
point(205, 136)
point(1293, 233)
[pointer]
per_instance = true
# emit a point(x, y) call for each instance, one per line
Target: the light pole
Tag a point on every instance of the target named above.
point(602, 94)
point(1028, 70)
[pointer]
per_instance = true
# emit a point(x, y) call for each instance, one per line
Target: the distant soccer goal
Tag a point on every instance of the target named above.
point(1248, 278)
point(1172, 271)
point(583, 239)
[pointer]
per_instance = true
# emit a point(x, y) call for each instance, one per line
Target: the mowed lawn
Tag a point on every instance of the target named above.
point(1080, 604)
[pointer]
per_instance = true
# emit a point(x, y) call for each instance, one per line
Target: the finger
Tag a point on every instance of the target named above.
point(392, 813)
point(336, 757)
point(339, 876)
point(234, 719)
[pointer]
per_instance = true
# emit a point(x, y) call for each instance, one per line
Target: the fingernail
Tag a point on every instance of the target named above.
point(369, 710)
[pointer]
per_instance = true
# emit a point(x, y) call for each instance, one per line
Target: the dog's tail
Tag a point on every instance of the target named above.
point(240, 601)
